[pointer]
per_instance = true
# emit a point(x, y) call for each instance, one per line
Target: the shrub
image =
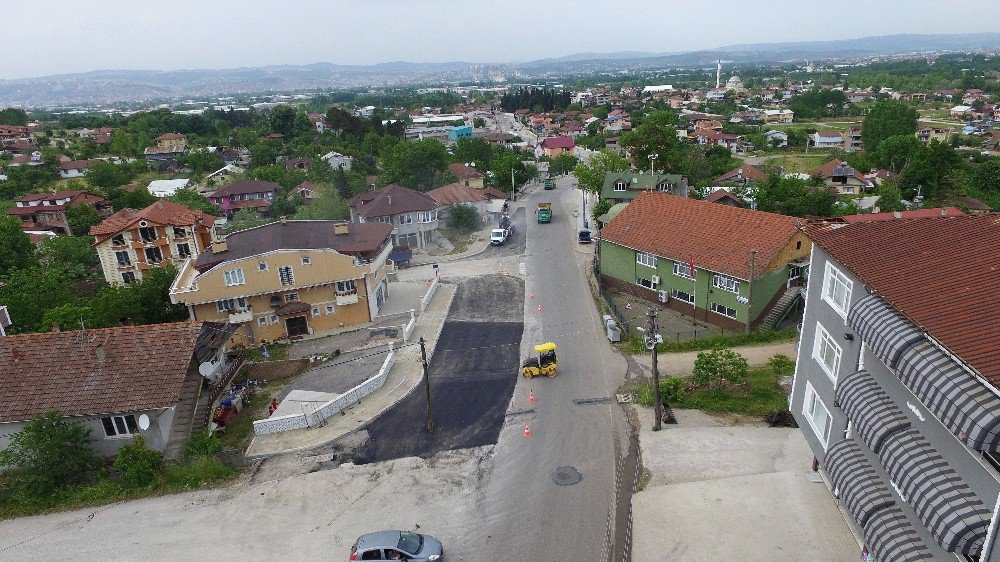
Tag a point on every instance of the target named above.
point(49, 453)
point(139, 465)
point(202, 443)
point(464, 218)
point(671, 391)
point(782, 365)
point(720, 365)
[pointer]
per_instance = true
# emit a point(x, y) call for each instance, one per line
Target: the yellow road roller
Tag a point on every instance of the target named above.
point(544, 364)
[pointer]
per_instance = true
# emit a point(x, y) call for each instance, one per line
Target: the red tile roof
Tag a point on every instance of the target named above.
point(464, 172)
point(721, 194)
point(246, 186)
point(391, 200)
point(99, 371)
point(558, 142)
point(54, 196)
point(77, 164)
point(935, 271)
point(718, 238)
point(746, 171)
point(169, 136)
point(161, 213)
point(914, 214)
point(457, 193)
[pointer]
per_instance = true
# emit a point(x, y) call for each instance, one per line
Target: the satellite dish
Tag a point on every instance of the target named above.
point(206, 369)
point(143, 422)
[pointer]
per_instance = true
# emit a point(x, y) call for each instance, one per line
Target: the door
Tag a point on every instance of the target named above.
point(297, 326)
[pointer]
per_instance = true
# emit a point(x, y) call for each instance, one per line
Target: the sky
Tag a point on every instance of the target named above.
point(44, 37)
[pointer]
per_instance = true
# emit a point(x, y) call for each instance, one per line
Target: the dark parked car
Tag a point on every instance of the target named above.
point(397, 545)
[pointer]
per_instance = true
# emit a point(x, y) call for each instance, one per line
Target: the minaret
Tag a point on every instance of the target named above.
point(718, 75)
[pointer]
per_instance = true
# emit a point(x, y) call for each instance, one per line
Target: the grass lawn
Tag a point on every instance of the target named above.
point(758, 396)
point(799, 163)
point(633, 344)
point(239, 432)
point(460, 241)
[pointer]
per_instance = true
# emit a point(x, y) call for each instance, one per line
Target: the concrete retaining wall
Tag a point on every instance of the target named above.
point(426, 300)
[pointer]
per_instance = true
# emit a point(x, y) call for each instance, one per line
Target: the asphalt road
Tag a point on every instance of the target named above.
point(515, 244)
point(550, 496)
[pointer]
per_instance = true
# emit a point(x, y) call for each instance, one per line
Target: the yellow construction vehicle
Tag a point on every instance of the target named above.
point(544, 364)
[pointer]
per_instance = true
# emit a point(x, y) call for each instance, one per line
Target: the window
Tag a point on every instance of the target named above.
point(262, 266)
point(232, 305)
point(620, 185)
point(262, 321)
point(663, 186)
point(315, 312)
point(329, 309)
point(648, 260)
point(124, 260)
point(723, 310)
point(794, 272)
point(426, 216)
point(291, 297)
point(798, 245)
point(148, 234)
point(128, 277)
point(118, 426)
point(286, 276)
point(681, 295)
point(726, 283)
point(826, 352)
point(153, 255)
point(645, 283)
point(184, 250)
point(273, 319)
point(682, 270)
point(118, 240)
point(816, 413)
point(180, 232)
point(405, 219)
point(306, 260)
point(837, 289)
point(234, 277)
point(348, 287)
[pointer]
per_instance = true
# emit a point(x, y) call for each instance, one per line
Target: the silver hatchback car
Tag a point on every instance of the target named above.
point(397, 545)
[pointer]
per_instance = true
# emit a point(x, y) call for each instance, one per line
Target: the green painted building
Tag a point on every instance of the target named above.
point(622, 187)
point(746, 263)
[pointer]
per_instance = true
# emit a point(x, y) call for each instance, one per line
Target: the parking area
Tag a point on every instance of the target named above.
point(714, 484)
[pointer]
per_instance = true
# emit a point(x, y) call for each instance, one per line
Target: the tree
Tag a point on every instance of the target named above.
point(478, 122)
point(720, 365)
point(890, 198)
point(656, 135)
point(590, 176)
point(328, 206)
point(244, 219)
point(16, 249)
point(794, 197)
point(475, 151)
point(49, 453)
point(202, 161)
point(287, 121)
point(72, 255)
point(80, 218)
point(600, 208)
point(986, 176)
point(107, 175)
point(463, 218)
point(887, 119)
point(502, 166)
point(563, 163)
point(817, 103)
point(895, 152)
point(191, 199)
point(28, 293)
point(414, 164)
point(130, 199)
point(13, 116)
point(153, 295)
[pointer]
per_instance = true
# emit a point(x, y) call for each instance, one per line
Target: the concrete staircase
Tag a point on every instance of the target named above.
point(188, 405)
point(791, 293)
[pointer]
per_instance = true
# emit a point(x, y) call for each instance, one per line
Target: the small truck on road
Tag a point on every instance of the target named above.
point(503, 231)
point(544, 212)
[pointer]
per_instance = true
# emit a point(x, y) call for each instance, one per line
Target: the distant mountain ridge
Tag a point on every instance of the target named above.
point(116, 86)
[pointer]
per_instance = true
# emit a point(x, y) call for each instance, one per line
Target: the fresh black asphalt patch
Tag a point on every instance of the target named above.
point(473, 371)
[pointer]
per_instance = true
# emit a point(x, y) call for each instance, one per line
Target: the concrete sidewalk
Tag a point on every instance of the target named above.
point(403, 377)
point(477, 247)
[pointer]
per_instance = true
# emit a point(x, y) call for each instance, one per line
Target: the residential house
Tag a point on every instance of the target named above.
point(459, 132)
point(499, 139)
point(724, 265)
point(172, 140)
point(75, 168)
point(308, 191)
point(460, 194)
point(928, 134)
point(716, 138)
point(118, 382)
point(11, 134)
point(827, 139)
point(318, 121)
point(298, 164)
point(168, 147)
point(337, 160)
point(742, 176)
point(555, 146)
point(412, 215)
point(723, 196)
point(852, 140)
point(778, 115)
point(776, 139)
point(35, 158)
point(844, 179)
point(622, 187)
point(288, 279)
point(47, 211)
point(245, 194)
point(131, 242)
point(467, 175)
point(897, 383)
point(973, 205)
point(222, 176)
point(166, 188)
point(960, 111)
point(879, 175)
point(897, 215)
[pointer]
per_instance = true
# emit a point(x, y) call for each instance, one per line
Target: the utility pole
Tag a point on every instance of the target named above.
point(427, 387)
point(753, 263)
point(512, 187)
point(652, 338)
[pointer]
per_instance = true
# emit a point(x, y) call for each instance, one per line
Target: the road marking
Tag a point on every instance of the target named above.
point(522, 268)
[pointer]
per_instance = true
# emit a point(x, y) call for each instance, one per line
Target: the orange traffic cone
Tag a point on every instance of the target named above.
point(531, 396)
point(531, 296)
point(527, 432)
point(539, 308)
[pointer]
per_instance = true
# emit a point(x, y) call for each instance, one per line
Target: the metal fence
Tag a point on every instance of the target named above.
point(615, 311)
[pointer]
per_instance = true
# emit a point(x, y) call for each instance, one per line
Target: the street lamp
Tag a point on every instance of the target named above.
point(652, 157)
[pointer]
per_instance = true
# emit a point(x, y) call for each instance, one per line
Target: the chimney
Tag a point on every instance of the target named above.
point(390, 200)
point(102, 353)
point(219, 246)
point(944, 212)
point(55, 326)
point(340, 228)
point(284, 220)
point(897, 214)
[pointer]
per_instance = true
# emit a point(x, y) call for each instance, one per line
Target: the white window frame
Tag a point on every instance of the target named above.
point(723, 310)
point(346, 287)
point(234, 277)
point(120, 424)
point(821, 341)
point(646, 259)
point(151, 259)
point(832, 276)
point(330, 309)
point(273, 319)
point(405, 218)
point(262, 266)
point(306, 260)
point(688, 297)
point(682, 269)
point(652, 286)
point(231, 306)
point(126, 274)
point(809, 408)
point(620, 186)
point(291, 297)
point(180, 254)
point(118, 258)
point(262, 321)
point(286, 275)
point(726, 283)
point(315, 311)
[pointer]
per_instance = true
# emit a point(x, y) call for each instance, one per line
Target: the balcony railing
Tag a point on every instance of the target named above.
point(346, 299)
point(240, 316)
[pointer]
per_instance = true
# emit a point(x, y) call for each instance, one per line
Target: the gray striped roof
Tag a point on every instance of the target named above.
point(950, 510)
point(886, 332)
point(858, 485)
point(963, 402)
point(891, 537)
point(873, 414)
